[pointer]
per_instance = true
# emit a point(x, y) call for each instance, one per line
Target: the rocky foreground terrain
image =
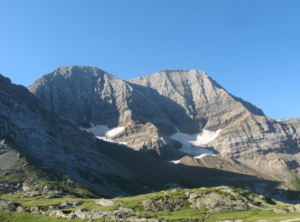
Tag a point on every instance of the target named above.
point(204, 204)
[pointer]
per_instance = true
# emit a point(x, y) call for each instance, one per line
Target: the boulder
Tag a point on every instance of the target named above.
point(294, 208)
point(163, 204)
point(106, 202)
point(280, 211)
point(8, 206)
point(68, 205)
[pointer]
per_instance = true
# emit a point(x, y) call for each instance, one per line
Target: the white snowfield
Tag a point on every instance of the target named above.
point(175, 161)
point(100, 130)
point(110, 140)
point(196, 157)
point(105, 133)
point(203, 155)
point(191, 144)
point(206, 136)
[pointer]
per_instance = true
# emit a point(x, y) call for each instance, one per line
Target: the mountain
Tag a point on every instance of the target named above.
point(171, 114)
point(45, 154)
point(82, 132)
point(204, 103)
point(246, 134)
point(38, 147)
point(89, 95)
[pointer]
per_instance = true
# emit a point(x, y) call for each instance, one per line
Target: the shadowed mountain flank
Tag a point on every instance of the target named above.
point(160, 175)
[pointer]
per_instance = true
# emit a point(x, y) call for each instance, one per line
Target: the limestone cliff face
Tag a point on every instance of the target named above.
point(88, 94)
point(247, 134)
point(151, 107)
point(193, 100)
point(262, 144)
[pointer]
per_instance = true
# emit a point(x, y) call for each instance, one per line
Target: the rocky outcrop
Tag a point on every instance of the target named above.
point(222, 199)
point(163, 204)
point(106, 202)
point(160, 206)
point(218, 203)
point(218, 199)
point(121, 214)
point(294, 208)
point(68, 205)
point(8, 206)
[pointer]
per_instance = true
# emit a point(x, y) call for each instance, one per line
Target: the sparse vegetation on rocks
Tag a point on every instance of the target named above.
point(204, 204)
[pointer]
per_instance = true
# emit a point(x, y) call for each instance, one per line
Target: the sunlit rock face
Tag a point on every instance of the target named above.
point(172, 113)
point(89, 95)
point(193, 100)
point(207, 116)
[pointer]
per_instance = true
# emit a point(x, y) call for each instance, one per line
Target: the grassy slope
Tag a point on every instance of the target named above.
point(195, 215)
point(135, 203)
point(37, 178)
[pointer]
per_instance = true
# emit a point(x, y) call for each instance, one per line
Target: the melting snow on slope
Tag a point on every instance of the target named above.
point(100, 130)
point(176, 161)
point(191, 143)
point(202, 155)
point(196, 157)
point(206, 136)
point(110, 140)
point(105, 133)
point(114, 131)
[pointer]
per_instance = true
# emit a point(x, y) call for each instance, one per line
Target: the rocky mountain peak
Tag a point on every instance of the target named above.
point(148, 111)
point(78, 73)
point(180, 73)
point(89, 95)
point(203, 102)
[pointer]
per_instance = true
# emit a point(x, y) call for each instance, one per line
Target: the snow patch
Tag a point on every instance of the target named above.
point(206, 136)
point(114, 131)
point(191, 144)
point(105, 133)
point(100, 130)
point(175, 161)
point(110, 140)
point(203, 155)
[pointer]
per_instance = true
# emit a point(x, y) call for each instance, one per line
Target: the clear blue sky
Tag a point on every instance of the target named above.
point(250, 47)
